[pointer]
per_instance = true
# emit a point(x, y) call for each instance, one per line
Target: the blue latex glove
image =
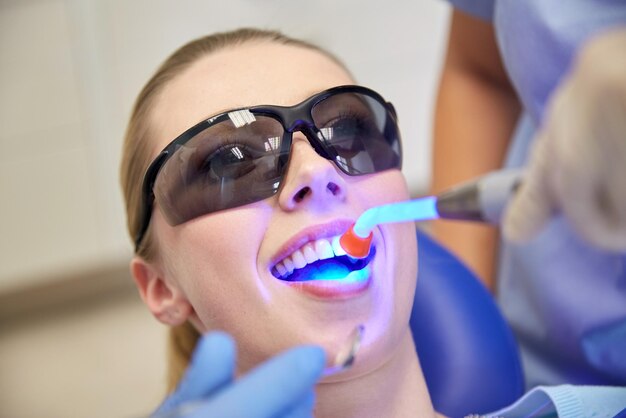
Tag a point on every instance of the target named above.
point(281, 387)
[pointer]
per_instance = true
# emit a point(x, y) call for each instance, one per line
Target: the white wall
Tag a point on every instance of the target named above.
point(97, 359)
point(69, 72)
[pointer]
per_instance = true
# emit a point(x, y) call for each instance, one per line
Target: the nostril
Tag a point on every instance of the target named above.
point(333, 188)
point(301, 194)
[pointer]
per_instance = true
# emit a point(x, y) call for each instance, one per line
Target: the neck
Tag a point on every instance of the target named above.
point(396, 389)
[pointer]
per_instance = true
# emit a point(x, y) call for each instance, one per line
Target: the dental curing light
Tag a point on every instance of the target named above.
point(479, 200)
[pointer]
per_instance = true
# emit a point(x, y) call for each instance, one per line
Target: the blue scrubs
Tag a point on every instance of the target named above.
point(565, 300)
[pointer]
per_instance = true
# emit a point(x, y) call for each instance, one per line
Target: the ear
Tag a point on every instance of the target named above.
point(164, 299)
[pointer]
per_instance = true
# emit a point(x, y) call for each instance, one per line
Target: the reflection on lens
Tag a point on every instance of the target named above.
point(231, 163)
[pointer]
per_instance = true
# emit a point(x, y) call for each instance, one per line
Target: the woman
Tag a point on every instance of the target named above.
point(236, 218)
point(246, 154)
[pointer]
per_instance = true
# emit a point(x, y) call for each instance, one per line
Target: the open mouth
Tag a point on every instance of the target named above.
point(322, 259)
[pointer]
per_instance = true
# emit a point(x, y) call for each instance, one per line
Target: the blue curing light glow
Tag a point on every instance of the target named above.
point(420, 209)
point(339, 272)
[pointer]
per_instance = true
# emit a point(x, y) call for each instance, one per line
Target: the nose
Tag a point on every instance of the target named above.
point(311, 180)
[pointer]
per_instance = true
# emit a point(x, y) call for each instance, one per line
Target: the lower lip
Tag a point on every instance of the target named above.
point(350, 286)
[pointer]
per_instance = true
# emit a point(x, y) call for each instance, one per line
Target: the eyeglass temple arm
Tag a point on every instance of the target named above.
point(147, 196)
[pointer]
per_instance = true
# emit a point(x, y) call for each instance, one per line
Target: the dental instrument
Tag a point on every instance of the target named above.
point(480, 200)
point(343, 360)
point(345, 357)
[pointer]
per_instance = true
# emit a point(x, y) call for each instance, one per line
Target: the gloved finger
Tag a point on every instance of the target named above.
point(598, 213)
point(271, 389)
point(532, 205)
point(601, 218)
point(211, 368)
point(590, 187)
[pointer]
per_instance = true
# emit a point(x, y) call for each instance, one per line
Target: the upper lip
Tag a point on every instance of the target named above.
point(309, 234)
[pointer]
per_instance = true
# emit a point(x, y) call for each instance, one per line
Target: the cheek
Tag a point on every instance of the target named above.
point(392, 187)
point(404, 256)
point(386, 187)
point(400, 239)
point(213, 260)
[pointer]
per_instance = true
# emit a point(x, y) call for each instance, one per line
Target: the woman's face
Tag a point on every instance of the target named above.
point(222, 262)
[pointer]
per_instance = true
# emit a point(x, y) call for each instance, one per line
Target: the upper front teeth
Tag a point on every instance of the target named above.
point(311, 252)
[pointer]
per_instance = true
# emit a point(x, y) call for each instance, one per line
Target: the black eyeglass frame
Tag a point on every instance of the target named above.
point(293, 119)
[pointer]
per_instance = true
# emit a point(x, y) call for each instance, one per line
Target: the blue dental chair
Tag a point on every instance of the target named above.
point(467, 352)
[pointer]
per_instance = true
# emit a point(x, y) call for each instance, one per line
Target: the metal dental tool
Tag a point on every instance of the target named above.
point(344, 359)
point(347, 354)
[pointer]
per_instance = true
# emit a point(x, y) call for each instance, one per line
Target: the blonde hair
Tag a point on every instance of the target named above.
point(136, 155)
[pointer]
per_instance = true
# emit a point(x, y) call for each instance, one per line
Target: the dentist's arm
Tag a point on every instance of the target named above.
point(475, 115)
point(578, 162)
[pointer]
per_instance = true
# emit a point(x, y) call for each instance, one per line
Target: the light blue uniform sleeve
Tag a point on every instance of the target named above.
point(482, 9)
point(567, 401)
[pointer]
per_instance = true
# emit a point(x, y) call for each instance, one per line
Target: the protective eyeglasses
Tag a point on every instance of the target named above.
point(241, 156)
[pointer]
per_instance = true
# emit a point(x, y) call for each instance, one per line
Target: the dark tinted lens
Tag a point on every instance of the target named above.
point(232, 163)
point(358, 132)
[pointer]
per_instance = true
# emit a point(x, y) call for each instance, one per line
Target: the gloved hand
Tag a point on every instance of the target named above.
point(281, 387)
point(578, 162)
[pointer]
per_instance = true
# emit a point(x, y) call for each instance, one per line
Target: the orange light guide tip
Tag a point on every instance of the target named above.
point(354, 245)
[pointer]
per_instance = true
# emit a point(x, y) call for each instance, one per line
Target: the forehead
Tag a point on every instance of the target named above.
point(244, 75)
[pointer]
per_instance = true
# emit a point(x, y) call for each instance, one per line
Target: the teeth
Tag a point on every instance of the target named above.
point(337, 247)
point(324, 249)
point(321, 249)
point(280, 267)
point(298, 259)
point(289, 265)
point(309, 254)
